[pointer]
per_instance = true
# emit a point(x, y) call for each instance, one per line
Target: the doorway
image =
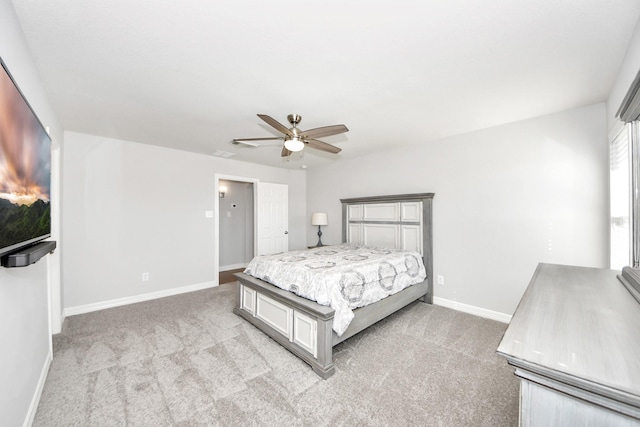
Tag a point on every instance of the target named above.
point(236, 219)
point(265, 221)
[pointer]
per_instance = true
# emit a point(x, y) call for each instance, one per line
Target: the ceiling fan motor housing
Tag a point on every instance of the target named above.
point(294, 119)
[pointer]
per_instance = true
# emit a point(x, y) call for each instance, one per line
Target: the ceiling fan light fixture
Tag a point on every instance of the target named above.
point(294, 144)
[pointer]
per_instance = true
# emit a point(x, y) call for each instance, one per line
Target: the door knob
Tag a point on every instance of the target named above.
point(286, 232)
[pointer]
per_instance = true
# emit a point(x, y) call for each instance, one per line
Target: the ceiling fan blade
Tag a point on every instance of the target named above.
point(324, 131)
point(268, 138)
point(275, 124)
point(285, 152)
point(243, 142)
point(319, 145)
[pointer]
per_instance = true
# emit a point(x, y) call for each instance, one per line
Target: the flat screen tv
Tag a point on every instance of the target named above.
point(25, 170)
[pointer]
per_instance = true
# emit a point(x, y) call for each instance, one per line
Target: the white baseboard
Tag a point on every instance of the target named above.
point(35, 400)
point(80, 309)
point(471, 309)
point(232, 266)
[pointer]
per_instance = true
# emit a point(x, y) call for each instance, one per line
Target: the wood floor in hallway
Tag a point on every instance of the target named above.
point(227, 276)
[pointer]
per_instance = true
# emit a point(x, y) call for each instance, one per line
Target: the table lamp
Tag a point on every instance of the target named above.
point(319, 219)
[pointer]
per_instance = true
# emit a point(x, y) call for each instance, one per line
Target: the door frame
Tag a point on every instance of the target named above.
point(216, 216)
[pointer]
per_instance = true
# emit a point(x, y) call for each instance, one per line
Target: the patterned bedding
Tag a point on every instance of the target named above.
point(343, 277)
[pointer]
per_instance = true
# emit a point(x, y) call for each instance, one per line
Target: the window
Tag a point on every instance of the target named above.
point(625, 186)
point(620, 197)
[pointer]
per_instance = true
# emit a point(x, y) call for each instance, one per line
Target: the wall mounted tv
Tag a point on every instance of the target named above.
point(25, 170)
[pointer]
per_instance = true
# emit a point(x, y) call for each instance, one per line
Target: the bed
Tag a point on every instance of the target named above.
point(307, 328)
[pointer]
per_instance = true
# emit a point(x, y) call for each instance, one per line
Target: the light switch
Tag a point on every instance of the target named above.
point(208, 214)
point(228, 214)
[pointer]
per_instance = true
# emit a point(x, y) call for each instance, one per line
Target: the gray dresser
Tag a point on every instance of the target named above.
point(574, 342)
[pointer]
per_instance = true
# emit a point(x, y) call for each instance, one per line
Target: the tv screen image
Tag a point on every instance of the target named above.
point(25, 170)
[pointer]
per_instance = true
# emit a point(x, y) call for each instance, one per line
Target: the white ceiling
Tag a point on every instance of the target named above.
point(193, 74)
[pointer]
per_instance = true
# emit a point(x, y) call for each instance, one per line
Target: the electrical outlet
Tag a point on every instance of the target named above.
point(440, 280)
point(145, 277)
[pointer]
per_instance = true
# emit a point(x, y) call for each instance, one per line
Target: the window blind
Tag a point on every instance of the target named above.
point(620, 197)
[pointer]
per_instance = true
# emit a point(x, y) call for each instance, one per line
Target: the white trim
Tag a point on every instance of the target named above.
point(471, 309)
point(35, 400)
point(233, 266)
point(80, 309)
point(53, 260)
point(50, 292)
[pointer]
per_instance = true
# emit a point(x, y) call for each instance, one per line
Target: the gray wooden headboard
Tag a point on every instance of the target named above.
point(401, 221)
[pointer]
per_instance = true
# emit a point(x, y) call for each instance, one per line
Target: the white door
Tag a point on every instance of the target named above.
point(273, 220)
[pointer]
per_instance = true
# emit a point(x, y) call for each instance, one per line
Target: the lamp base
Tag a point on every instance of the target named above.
point(319, 237)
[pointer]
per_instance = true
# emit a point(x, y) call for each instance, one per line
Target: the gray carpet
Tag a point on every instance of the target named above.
point(188, 360)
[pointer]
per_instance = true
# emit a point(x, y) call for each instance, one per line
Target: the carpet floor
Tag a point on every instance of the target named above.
point(187, 360)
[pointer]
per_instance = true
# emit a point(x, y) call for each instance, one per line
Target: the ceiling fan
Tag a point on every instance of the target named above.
point(294, 138)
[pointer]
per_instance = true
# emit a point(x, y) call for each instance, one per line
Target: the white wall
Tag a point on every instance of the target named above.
point(506, 199)
point(24, 317)
point(130, 208)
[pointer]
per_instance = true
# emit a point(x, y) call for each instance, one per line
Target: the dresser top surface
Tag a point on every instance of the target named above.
point(580, 323)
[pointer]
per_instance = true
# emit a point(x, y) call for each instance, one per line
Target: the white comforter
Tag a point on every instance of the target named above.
point(343, 277)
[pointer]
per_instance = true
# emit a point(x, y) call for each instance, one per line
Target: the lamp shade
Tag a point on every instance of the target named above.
point(319, 218)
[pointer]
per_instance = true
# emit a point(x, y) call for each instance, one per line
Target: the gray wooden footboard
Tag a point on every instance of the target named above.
point(305, 327)
point(300, 325)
